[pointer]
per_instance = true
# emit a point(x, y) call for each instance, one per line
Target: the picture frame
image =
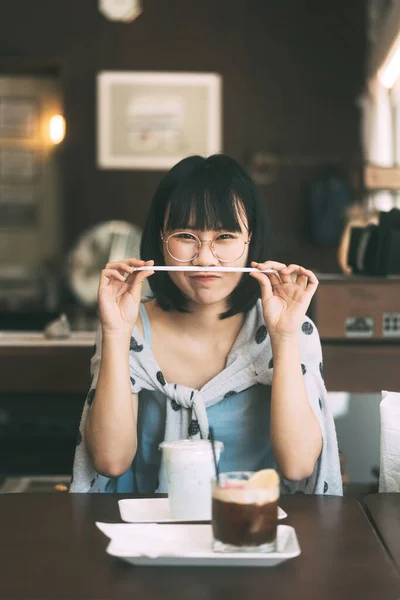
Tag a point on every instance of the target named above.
point(19, 117)
point(151, 120)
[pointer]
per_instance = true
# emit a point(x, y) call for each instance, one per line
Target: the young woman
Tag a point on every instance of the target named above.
point(229, 349)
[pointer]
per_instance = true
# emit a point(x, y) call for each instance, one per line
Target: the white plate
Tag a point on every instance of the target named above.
point(155, 510)
point(188, 545)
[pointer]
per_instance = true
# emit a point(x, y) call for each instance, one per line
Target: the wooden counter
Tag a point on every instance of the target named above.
point(29, 363)
point(360, 332)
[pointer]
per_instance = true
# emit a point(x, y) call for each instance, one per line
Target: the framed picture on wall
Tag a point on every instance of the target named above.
point(17, 165)
point(150, 120)
point(19, 117)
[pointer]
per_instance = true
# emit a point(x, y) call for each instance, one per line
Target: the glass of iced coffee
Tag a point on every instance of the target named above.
point(245, 511)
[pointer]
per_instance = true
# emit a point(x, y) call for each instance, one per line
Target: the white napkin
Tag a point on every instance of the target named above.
point(389, 479)
point(153, 540)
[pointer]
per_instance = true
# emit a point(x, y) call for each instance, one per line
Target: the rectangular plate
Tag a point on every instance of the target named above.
point(155, 510)
point(188, 545)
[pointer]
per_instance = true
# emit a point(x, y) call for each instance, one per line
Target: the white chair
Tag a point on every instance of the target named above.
point(389, 476)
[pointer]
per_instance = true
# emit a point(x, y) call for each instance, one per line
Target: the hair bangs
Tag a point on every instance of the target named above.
point(206, 207)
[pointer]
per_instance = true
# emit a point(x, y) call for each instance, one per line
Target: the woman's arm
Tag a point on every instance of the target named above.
point(295, 432)
point(110, 429)
point(111, 424)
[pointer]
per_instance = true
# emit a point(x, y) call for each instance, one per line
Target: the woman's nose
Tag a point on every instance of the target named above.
point(205, 256)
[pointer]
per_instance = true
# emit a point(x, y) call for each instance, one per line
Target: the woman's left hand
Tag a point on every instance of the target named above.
point(285, 296)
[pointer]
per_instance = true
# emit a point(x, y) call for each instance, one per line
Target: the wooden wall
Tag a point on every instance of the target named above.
point(292, 72)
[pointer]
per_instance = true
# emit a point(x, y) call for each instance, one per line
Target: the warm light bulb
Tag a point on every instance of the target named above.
point(57, 128)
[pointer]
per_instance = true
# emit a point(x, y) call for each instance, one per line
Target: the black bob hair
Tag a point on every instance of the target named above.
point(205, 194)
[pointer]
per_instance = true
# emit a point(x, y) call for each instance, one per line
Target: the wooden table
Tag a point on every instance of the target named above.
point(384, 512)
point(50, 548)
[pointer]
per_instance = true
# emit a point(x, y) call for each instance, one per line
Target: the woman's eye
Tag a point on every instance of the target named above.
point(185, 236)
point(226, 236)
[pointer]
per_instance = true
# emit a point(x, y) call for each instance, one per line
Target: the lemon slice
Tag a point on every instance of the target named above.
point(263, 479)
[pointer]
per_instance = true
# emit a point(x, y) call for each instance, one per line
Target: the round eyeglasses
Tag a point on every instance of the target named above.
point(185, 247)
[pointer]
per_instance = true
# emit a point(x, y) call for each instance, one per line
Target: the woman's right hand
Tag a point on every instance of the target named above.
point(119, 298)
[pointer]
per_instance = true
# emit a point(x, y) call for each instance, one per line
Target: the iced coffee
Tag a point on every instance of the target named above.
point(245, 511)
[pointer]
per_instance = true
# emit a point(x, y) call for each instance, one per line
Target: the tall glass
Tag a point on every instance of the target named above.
point(245, 511)
point(190, 469)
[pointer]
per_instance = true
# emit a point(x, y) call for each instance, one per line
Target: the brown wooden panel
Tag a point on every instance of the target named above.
point(361, 368)
point(336, 300)
point(45, 369)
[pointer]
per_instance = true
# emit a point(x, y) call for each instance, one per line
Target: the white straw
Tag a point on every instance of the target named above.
point(206, 269)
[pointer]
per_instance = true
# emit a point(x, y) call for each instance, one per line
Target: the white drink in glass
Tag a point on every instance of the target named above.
point(190, 469)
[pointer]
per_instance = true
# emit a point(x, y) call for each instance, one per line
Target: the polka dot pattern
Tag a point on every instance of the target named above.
point(175, 406)
point(261, 334)
point(307, 328)
point(134, 346)
point(194, 427)
point(90, 397)
point(110, 485)
point(160, 378)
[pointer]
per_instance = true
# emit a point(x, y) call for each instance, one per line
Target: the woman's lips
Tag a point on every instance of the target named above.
point(205, 277)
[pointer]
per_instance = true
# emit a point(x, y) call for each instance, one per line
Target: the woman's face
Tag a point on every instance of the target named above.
point(212, 288)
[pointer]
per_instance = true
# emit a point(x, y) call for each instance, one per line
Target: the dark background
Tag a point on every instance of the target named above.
point(292, 73)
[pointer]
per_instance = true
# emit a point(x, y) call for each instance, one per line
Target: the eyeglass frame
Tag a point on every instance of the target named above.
point(201, 242)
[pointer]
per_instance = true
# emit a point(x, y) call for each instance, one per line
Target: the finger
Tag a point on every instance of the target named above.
point(302, 281)
point(274, 278)
point(121, 267)
point(288, 276)
point(108, 274)
point(290, 273)
point(135, 288)
point(268, 264)
point(265, 284)
point(312, 280)
point(134, 262)
point(126, 263)
point(121, 264)
point(134, 274)
point(137, 276)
